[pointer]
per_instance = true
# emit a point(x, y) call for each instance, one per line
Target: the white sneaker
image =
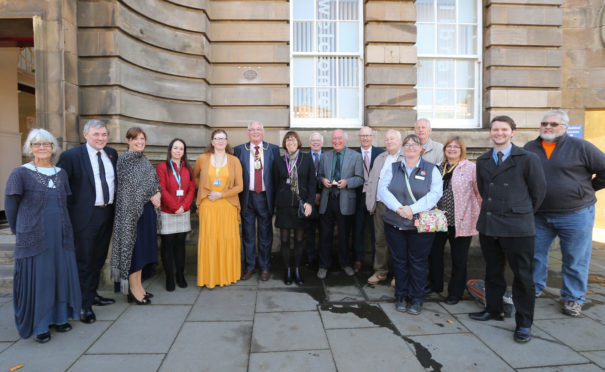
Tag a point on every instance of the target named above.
point(321, 273)
point(571, 308)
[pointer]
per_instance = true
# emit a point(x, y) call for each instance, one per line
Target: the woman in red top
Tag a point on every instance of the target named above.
point(178, 190)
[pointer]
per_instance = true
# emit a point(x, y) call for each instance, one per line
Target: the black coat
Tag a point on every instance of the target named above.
point(306, 181)
point(511, 193)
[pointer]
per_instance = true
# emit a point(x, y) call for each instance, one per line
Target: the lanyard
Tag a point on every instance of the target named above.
point(176, 177)
point(445, 169)
point(217, 166)
point(288, 167)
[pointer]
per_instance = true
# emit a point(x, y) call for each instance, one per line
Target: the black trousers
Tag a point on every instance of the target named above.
point(459, 252)
point(173, 253)
point(310, 233)
point(519, 251)
point(91, 246)
point(362, 217)
point(326, 234)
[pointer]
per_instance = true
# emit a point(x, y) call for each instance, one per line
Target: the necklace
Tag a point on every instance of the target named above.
point(41, 177)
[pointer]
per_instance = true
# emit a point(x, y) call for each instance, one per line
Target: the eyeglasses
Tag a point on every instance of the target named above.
point(411, 145)
point(41, 144)
point(453, 147)
point(220, 139)
point(291, 139)
point(551, 123)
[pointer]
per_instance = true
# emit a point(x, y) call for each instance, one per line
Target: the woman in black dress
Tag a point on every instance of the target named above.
point(294, 177)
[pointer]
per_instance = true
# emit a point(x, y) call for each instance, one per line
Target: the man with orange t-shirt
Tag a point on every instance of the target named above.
point(568, 209)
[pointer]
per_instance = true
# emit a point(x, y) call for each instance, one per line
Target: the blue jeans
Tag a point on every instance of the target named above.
point(575, 234)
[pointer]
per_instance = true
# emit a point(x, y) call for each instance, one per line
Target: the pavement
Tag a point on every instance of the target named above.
point(339, 324)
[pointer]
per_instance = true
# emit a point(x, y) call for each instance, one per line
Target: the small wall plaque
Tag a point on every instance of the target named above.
point(250, 74)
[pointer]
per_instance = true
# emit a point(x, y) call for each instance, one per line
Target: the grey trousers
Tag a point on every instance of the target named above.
point(381, 255)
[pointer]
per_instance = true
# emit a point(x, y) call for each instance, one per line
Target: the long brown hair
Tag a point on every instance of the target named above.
point(183, 159)
point(210, 147)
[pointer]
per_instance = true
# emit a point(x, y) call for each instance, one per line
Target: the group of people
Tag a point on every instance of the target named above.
point(65, 215)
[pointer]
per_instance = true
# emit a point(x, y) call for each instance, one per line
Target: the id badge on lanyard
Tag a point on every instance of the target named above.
point(179, 191)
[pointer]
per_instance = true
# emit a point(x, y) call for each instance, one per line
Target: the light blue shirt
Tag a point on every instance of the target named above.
point(505, 153)
point(427, 202)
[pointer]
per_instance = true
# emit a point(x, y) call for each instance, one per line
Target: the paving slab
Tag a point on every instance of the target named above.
point(4, 346)
point(142, 329)
point(542, 350)
point(349, 293)
point(113, 311)
point(8, 330)
point(130, 362)
point(595, 309)
point(462, 307)
point(276, 300)
point(180, 296)
point(224, 304)
point(210, 346)
point(597, 357)
point(569, 368)
point(58, 354)
point(5, 300)
point(292, 361)
point(379, 292)
point(432, 320)
point(581, 334)
point(288, 331)
point(548, 308)
point(371, 349)
point(337, 316)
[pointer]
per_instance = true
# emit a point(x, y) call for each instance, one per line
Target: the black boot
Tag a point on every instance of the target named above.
point(288, 276)
point(180, 279)
point(169, 282)
point(298, 279)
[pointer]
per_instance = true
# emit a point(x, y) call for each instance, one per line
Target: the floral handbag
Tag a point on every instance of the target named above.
point(428, 221)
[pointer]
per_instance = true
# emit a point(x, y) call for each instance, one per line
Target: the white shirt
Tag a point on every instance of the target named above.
point(388, 162)
point(262, 161)
point(109, 174)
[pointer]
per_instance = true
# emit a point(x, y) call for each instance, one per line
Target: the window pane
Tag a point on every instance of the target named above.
point(467, 39)
point(326, 9)
point(303, 103)
point(304, 72)
point(467, 11)
point(446, 11)
point(444, 104)
point(326, 37)
point(425, 38)
point(444, 74)
point(326, 72)
point(349, 10)
point(425, 10)
point(425, 74)
point(348, 72)
point(465, 104)
point(348, 103)
point(303, 37)
point(348, 40)
point(326, 102)
point(425, 103)
point(446, 39)
point(465, 74)
point(302, 9)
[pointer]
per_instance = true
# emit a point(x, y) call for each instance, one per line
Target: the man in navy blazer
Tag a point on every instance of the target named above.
point(362, 216)
point(256, 199)
point(91, 169)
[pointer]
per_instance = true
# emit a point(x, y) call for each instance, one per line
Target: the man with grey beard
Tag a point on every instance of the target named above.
point(568, 210)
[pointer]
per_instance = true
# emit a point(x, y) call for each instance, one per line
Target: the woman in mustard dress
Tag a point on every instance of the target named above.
point(219, 178)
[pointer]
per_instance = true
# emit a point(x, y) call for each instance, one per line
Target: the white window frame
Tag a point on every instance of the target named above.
point(478, 58)
point(328, 122)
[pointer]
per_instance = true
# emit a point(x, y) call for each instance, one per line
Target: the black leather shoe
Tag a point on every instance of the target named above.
point(451, 301)
point(66, 327)
point(180, 280)
point(87, 316)
point(148, 294)
point(144, 301)
point(288, 276)
point(298, 279)
point(42, 337)
point(170, 286)
point(522, 335)
point(484, 315)
point(102, 301)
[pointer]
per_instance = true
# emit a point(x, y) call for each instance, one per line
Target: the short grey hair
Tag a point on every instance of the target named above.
point(316, 134)
point(394, 131)
point(427, 121)
point(95, 123)
point(558, 113)
point(39, 135)
point(255, 122)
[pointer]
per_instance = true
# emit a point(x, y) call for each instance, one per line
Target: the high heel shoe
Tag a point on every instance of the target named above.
point(288, 276)
point(148, 294)
point(298, 279)
point(144, 301)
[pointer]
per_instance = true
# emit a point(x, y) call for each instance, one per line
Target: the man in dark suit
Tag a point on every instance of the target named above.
point(512, 185)
point(362, 216)
point(340, 173)
point(91, 169)
point(256, 200)
point(316, 142)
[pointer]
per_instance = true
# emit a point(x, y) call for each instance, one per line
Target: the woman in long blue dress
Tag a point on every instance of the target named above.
point(46, 289)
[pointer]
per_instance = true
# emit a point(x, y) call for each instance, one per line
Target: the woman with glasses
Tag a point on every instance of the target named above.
point(218, 175)
point(407, 188)
point(46, 288)
point(134, 253)
point(178, 190)
point(294, 177)
point(461, 203)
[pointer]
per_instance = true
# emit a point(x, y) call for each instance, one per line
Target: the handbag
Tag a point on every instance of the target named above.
point(428, 221)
